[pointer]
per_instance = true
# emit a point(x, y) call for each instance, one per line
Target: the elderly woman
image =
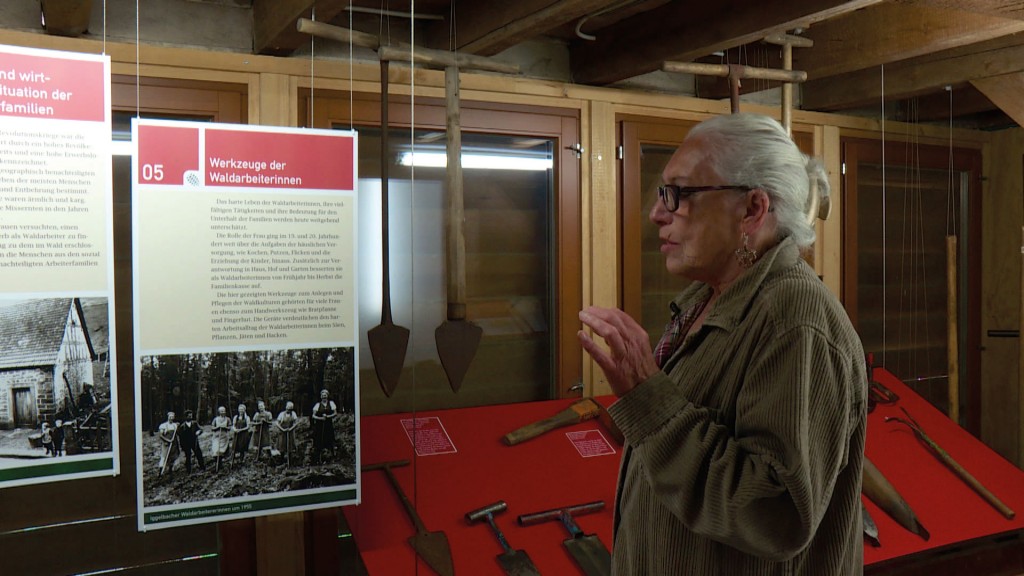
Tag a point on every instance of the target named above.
point(745, 426)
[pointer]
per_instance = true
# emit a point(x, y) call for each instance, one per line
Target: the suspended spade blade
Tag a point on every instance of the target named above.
point(388, 343)
point(457, 341)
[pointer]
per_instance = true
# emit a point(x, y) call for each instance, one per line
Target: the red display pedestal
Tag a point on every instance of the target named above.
point(550, 472)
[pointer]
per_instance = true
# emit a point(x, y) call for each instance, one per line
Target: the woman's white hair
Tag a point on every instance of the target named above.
point(754, 150)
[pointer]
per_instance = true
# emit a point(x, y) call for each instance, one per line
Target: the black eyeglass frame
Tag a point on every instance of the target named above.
point(670, 194)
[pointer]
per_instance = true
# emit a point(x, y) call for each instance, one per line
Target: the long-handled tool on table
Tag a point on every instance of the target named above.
point(457, 338)
point(953, 465)
point(514, 562)
point(432, 547)
point(388, 341)
point(587, 549)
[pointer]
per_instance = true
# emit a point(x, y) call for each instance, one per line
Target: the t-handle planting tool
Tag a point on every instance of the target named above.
point(588, 551)
point(431, 546)
point(515, 562)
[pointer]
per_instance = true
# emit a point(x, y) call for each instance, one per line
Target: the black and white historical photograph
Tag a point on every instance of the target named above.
point(228, 425)
point(55, 380)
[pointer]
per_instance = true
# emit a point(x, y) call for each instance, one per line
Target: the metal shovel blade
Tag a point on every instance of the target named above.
point(457, 342)
point(517, 563)
point(434, 549)
point(591, 555)
point(388, 343)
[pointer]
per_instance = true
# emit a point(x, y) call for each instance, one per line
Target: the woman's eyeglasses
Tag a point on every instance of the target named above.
point(671, 194)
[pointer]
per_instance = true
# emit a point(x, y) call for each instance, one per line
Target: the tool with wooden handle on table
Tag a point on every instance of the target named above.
point(587, 549)
point(514, 562)
point(578, 411)
point(432, 547)
point(953, 465)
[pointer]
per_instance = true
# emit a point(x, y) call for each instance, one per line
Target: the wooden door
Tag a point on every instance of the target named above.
point(24, 408)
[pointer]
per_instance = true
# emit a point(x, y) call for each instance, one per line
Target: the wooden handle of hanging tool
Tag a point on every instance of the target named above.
point(952, 342)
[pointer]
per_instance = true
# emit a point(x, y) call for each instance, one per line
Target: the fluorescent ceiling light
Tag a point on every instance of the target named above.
point(475, 161)
point(121, 148)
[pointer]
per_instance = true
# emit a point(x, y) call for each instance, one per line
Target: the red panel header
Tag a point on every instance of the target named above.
point(166, 153)
point(278, 160)
point(48, 87)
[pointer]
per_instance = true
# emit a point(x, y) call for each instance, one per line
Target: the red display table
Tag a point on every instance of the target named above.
point(962, 525)
point(549, 472)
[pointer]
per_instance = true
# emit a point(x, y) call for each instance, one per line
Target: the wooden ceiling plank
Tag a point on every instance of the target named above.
point(487, 28)
point(1005, 92)
point(1003, 8)
point(910, 78)
point(274, 29)
point(66, 17)
point(892, 32)
point(685, 31)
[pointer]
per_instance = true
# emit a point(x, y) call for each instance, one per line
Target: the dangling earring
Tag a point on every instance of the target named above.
point(745, 254)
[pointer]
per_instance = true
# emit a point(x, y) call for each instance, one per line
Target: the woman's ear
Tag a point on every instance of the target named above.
point(758, 206)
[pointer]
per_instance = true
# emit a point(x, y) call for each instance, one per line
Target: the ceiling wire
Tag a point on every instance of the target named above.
point(950, 182)
point(884, 283)
point(312, 58)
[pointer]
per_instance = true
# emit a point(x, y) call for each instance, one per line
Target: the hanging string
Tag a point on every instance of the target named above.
point(104, 27)
point(884, 283)
point(351, 56)
point(950, 182)
point(138, 89)
point(312, 58)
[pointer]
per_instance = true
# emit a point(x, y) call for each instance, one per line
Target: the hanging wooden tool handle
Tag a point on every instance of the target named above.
point(456, 249)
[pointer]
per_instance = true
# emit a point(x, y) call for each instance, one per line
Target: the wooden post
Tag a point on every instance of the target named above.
point(1020, 387)
point(788, 42)
point(953, 347)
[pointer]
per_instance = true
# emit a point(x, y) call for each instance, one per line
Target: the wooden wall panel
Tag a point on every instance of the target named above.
point(1002, 215)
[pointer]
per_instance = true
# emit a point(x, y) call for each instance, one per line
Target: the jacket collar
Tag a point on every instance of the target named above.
point(732, 305)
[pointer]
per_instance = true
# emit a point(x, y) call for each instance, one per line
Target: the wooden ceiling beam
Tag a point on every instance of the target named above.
point(274, 29)
point(1003, 8)
point(916, 76)
point(892, 32)
point(487, 28)
point(1006, 92)
point(685, 31)
point(966, 101)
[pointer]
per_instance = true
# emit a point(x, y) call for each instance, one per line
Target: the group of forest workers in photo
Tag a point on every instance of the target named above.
point(235, 436)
